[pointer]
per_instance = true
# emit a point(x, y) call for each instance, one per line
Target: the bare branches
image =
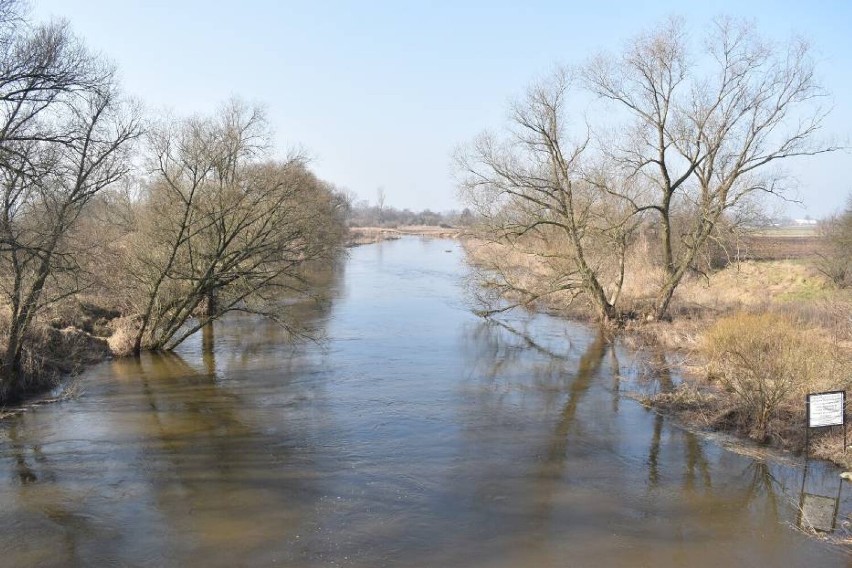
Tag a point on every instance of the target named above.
point(222, 228)
point(698, 132)
point(539, 197)
point(704, 125)
point(64, 137)
point(835, 256)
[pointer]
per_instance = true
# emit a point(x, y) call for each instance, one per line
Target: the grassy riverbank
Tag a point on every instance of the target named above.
point(750, 340)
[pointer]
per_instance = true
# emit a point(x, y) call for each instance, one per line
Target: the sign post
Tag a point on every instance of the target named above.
point(825, 409)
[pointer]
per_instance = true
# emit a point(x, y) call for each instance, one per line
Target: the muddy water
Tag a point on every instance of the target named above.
point(415, 435)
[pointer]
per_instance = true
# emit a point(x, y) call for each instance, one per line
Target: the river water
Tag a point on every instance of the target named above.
point(415, 434)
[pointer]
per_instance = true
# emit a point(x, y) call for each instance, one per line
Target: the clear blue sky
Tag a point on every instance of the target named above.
point(380, 93)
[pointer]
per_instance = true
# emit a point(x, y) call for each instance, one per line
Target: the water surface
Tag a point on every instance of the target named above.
point(415, 435)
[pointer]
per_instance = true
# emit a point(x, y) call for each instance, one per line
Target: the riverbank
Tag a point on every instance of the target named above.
point(748, 342)
point(748, 374)
point(369, 235)
point(77, 334)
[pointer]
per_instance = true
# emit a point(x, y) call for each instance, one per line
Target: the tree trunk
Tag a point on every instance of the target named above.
point(209, 305)
point(208, 353)
point(606, 312)
point(11, 367)
point(664, 298)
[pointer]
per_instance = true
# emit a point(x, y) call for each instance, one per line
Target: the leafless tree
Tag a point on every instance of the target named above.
point(64, 137)
point(222, 227)
point(541, 199)
point(686, 142)
point(835, 254)
point(705, 128)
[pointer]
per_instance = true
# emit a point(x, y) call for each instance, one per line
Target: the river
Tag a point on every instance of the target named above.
point(414, 434)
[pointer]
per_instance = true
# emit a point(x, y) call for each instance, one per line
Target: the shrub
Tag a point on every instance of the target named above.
point(768, 363)
point(835, 256)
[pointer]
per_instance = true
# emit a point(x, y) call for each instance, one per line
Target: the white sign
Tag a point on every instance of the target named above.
point(825, 409)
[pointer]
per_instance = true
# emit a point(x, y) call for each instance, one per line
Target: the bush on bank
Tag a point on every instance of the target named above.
point(767, 363)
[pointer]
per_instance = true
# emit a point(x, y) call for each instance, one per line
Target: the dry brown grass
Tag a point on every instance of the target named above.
point(753, 284)
point(808, 342)
point(766, 363)
point(743, 286)
point(123, 335)
point(59, 343)
point(48, 355)
point(536, 271)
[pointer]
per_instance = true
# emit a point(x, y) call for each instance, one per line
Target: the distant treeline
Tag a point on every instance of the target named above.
point(362, 214)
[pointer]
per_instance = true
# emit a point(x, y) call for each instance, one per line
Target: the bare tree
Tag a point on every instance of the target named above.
point(64, 137)
point(222, 228)
point(686, 143)
point(704, 128)
point(835, 254)
point(550, 210)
